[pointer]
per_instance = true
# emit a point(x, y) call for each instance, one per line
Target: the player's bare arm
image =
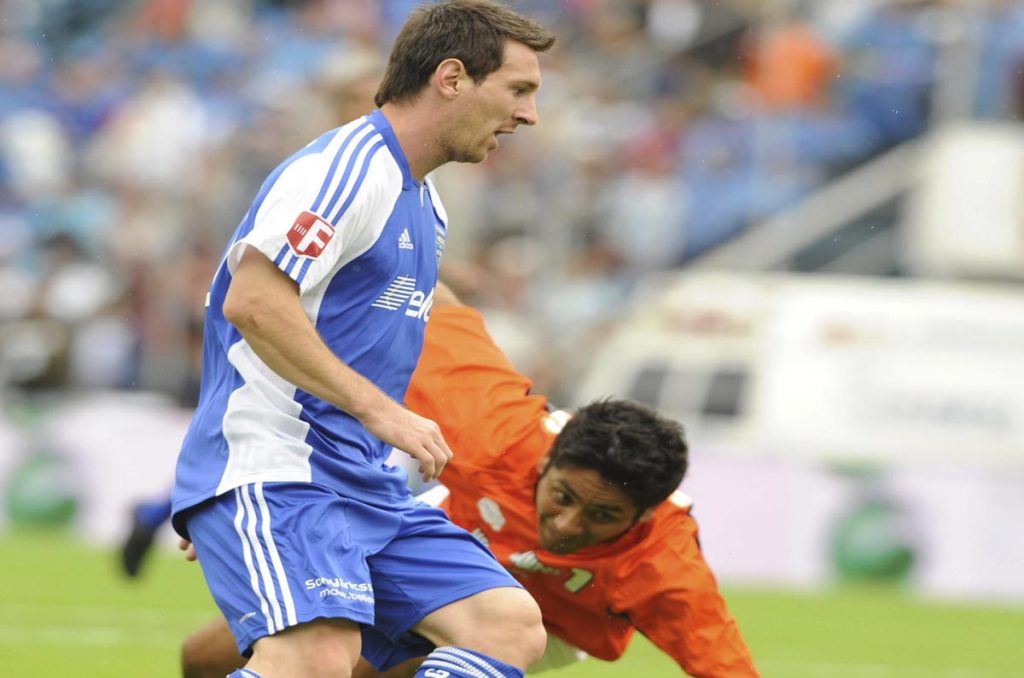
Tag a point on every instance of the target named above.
point(263, 304)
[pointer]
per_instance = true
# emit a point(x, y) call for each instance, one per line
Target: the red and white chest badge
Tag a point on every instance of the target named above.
point(310, 234)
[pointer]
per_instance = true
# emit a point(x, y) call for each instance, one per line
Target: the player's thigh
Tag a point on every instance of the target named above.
point(316, 648)
point(488, 620)
point(429, 565)
point(278, 555)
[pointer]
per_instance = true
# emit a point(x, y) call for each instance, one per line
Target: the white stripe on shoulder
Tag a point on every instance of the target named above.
point(354, 175)
point(347, 168)
point(371, 210)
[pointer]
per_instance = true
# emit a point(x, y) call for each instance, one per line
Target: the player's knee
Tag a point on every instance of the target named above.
point(532, 644)
point(509, 627)
point(535, 637)
point(529, 625)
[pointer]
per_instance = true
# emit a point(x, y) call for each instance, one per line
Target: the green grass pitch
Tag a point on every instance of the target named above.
point(65, 610)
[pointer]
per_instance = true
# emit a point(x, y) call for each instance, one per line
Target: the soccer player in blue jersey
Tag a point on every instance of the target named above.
point(314, 323)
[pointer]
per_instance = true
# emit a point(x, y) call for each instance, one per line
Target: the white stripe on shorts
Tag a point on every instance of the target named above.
point(275, 557)
point(261, 560)
point(247, 555)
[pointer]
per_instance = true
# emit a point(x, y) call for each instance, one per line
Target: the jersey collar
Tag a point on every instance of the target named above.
point(382, 125)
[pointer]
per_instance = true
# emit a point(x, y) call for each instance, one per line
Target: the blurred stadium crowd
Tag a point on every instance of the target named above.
point(134, 133)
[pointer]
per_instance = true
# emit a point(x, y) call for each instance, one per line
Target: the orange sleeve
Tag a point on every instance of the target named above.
point(670, 595)
point(468, 386)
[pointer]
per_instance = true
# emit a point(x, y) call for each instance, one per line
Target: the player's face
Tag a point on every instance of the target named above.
point(577, 508)
point(504, 100)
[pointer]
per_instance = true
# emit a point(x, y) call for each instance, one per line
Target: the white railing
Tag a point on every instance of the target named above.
point(772, 244)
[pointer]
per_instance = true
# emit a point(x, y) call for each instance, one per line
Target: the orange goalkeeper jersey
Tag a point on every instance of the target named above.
point(653, 578)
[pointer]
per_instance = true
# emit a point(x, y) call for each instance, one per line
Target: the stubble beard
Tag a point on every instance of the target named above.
point(465, 153)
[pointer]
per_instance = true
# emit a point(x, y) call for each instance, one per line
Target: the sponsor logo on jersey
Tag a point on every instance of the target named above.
point(491, 513)
point(309, 235)
point(528, 560)
point(405, 240)
point(402, 292)
point(420, 305)
point(397, 293)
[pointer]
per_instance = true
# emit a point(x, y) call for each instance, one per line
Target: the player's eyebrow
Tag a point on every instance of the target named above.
point(567, 488)
point(610, 508)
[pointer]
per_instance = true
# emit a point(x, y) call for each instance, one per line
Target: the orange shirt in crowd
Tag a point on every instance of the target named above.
point(653, 578)
point(791, 67)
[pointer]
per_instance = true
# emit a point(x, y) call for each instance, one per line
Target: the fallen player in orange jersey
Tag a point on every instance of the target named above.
point(583, 510)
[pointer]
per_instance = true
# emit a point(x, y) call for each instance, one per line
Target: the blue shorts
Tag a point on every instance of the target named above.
point(279, 554)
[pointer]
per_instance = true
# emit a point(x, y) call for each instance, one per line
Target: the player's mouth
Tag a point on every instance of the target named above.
point(555, 542)
point(494, 139)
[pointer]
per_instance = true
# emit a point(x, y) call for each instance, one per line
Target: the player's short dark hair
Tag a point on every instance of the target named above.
point(472, 31)
point(630, 444)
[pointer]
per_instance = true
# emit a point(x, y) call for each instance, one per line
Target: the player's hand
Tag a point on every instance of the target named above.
point(190, 550)
point(417, 436)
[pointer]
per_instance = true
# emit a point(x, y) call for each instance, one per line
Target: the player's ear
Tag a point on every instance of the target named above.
point(646, 515)
point(448, 77)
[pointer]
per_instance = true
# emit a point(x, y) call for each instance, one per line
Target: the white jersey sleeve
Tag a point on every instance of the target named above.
point(325, 209)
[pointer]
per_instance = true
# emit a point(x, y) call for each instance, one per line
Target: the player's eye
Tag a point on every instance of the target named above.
point(562, 498)
point(604, 518)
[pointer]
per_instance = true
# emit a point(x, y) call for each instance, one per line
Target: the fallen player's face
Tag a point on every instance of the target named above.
point(577, 508)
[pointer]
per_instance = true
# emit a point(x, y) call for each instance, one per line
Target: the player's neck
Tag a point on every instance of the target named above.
point(416, 129)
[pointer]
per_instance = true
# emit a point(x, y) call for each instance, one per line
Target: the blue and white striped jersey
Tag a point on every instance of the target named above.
point(346, 220)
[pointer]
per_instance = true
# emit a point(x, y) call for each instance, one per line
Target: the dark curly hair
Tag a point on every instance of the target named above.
point(472, 31)
point(631, 445)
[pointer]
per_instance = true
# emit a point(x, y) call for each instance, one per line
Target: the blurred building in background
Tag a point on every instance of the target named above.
point(681, 142)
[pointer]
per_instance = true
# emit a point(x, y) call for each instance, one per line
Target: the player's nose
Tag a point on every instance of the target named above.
point(568, 523)
point(527, 113)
